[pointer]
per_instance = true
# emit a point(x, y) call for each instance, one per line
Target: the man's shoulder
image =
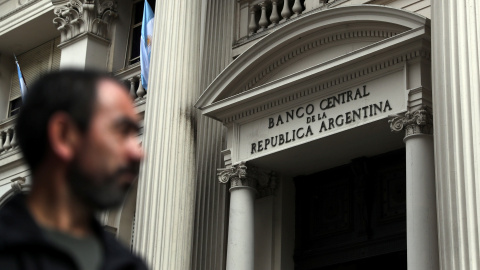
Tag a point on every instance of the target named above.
point(117, 254)
point(16, 224)
point(20, 234)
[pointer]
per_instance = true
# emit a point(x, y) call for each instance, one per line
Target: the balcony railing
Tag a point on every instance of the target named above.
point(8, 141)
point(259, 16)
point(269, 13)
point(132, 78)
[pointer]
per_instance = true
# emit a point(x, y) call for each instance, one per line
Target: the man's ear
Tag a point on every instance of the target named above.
point(63, 135)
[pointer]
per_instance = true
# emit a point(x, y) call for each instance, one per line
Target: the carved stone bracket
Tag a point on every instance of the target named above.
point(264, 182)
point(85, 16)
point(417, 122)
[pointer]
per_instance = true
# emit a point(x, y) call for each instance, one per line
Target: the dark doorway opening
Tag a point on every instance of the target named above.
point(353, 216)
point(392, 261)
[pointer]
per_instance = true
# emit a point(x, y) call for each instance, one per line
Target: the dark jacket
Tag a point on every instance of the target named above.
point(23, 245)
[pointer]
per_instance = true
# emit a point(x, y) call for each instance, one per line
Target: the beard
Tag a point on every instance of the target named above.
point(100, 192)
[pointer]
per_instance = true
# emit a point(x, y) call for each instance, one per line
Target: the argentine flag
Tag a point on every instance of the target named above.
point(146, 42)
point(23, 85)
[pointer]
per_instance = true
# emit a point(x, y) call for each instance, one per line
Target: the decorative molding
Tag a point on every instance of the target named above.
point(280, 61)
point(263, 181)
point(18, 9)
point(417, 122)
point(227, 158)
point(237, 175)
point(85, 16)
point(328, 84)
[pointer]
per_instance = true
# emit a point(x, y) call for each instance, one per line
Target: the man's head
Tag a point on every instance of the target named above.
point(86, 123)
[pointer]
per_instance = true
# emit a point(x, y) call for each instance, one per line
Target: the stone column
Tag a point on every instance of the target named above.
point(166, 198)
point(422, 243)
point(241, 243)
point(245, 186)
point(456, 96)
point(85, 37)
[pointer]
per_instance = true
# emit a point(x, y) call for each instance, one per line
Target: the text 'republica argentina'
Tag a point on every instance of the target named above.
point(318, 114)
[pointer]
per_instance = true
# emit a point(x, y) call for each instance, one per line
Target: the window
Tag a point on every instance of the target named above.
point(136, 31)
point(33, 63)
point(14, 106)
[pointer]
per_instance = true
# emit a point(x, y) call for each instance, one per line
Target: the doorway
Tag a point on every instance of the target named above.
point(352, 216)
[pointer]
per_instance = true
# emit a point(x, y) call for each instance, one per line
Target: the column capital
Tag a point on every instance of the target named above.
point(85, 16)
point(239, 175)
point(414, 123)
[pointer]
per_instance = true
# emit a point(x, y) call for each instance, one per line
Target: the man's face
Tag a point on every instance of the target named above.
point(109, 157)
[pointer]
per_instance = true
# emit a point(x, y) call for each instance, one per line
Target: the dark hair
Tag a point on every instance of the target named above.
point(71, 91)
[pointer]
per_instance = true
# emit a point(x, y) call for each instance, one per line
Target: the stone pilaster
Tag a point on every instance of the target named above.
point(422, 242)
point(85, 32)
point(166, 186)
point(211, 212)
point(456, 97)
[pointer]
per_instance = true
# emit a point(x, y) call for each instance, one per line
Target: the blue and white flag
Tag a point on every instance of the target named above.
point(23, 85)
point(146, 43)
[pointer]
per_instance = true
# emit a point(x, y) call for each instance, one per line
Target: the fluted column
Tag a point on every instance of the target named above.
point(211, 221)
point(422, 243)
point(166, 197)
point(456, 97)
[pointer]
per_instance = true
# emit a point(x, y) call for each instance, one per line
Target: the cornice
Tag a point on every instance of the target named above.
point(24, 14)
point(19, 9)
point(82, 36)
point(371, 60)
point(357, 74)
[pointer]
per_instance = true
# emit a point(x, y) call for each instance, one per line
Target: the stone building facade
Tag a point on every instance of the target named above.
point(299, 134)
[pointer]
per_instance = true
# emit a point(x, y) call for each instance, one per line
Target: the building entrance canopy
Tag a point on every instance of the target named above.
point(341, 71)
point(318, 92)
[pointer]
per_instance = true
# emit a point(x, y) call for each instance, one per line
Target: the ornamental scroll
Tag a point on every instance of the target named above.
point(85, 16)
point(263, 181)
point(417, 122)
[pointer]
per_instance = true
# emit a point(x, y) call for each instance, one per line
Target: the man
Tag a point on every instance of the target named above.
point(78, 133)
